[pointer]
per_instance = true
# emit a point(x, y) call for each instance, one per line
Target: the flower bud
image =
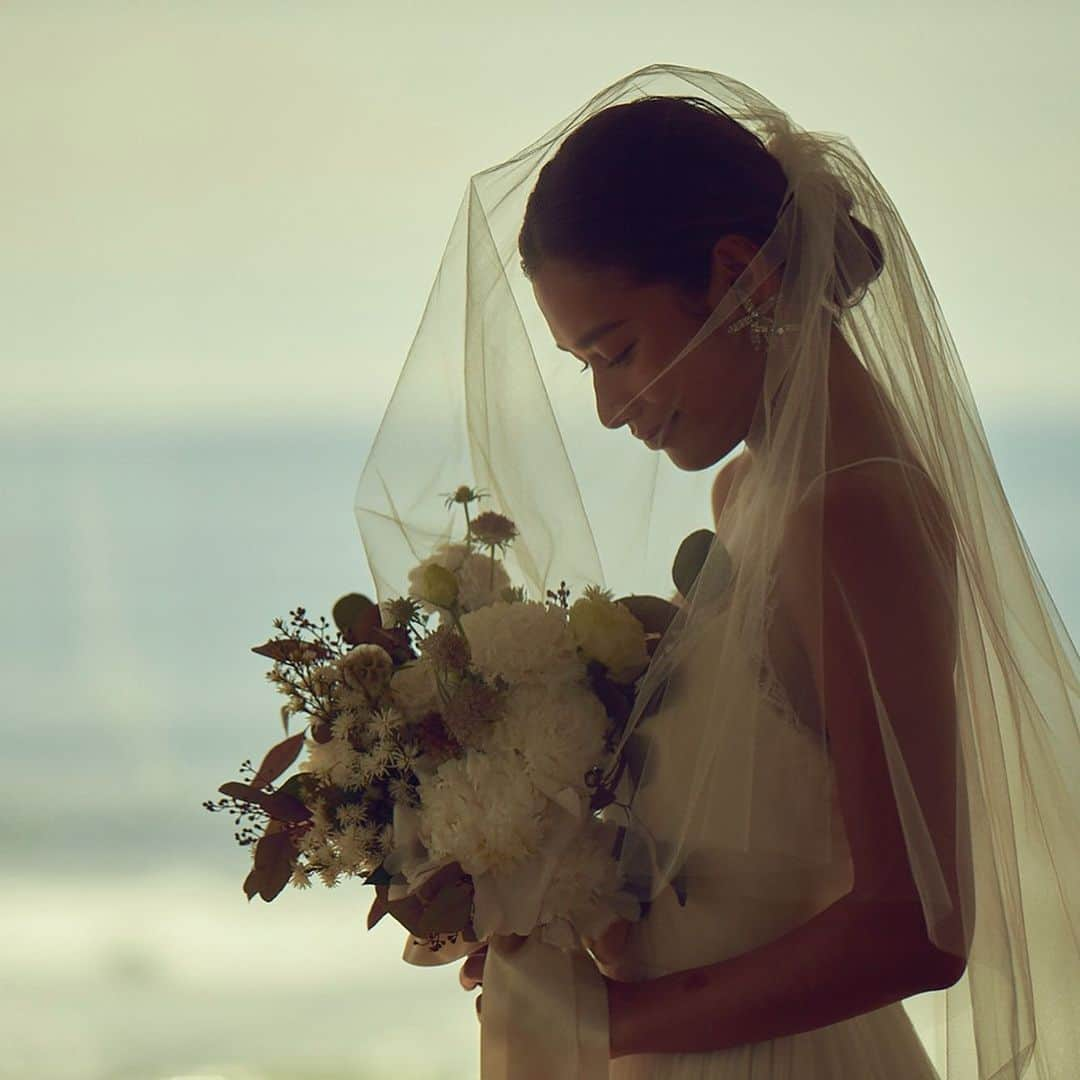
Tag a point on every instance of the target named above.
point(437, 586)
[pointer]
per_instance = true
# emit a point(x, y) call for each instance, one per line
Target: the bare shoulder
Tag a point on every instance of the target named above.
point(724, 480)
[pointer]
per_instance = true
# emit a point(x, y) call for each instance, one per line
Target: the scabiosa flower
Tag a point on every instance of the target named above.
point(472, 711)
point(492, 529)
point(446, 648)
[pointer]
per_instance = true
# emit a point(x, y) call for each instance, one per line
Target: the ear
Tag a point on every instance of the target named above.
point(730, 256)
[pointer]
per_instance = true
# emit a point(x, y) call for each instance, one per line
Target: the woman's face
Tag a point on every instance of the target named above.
point(697, 412)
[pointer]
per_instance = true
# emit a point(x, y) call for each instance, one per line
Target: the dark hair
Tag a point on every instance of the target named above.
point(650, 186)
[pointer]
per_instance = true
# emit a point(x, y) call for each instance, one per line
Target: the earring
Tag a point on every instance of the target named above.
point(760, 327)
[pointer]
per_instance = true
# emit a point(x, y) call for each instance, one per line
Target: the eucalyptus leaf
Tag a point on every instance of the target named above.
point(690, 558)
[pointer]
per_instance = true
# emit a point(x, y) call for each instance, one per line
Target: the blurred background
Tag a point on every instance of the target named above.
point(219, 223)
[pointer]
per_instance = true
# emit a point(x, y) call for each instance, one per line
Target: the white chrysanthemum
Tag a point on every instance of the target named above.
point(585, 881)
point(299, 878)
point(523, 641)
point(482, 810)
point(414, 691)
point(559, 730)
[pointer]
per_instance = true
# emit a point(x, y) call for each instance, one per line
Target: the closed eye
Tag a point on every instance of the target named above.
point(618, 359)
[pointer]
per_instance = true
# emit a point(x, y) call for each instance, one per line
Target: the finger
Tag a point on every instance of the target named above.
point(472, 972)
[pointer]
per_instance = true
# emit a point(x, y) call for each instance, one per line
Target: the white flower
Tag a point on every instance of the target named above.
point(482, 810)
point(585, 881)
point(414, 691)
point(523, 641)
point(559, 730)
point(353, 846)
point(350, 814)
point(478, 584)
point(330, 759)
point(385, 722)
point(473, 572)
point(299, 878)
point(448, 556)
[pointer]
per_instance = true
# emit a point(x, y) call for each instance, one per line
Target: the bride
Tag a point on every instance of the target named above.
point(847, 759)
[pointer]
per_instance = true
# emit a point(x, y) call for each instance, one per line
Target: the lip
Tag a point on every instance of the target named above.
point(658, 436)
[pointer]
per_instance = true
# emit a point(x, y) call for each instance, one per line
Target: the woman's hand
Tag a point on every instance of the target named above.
point(609, 945)
point(471, 974)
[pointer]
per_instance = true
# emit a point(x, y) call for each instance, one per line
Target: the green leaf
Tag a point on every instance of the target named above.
point(278, 759)
point(356, 616)
point(653, 612)
point(378, 876)
point(690, 558)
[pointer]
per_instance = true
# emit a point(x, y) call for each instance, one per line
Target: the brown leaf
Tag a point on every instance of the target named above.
point(275, 855)
point(291, 649)
point(252, 884)
point(278, 759)
point(280, 806)
point(442, 905)
point(378, 909)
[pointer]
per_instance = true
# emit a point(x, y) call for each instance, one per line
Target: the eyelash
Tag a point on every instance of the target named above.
point(621, 358)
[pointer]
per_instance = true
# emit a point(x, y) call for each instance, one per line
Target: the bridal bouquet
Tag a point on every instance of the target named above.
point(457, 768)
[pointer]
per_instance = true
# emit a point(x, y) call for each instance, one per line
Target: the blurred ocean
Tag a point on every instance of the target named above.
point(139, 567)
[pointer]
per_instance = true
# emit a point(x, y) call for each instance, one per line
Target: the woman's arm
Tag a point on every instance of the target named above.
point(849, 959)
point(887, 606)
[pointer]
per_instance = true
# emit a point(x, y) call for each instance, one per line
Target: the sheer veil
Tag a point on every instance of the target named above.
point(970, 724)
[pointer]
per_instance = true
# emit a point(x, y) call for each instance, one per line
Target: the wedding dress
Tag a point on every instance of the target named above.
point(735, 792)
point(736, 905)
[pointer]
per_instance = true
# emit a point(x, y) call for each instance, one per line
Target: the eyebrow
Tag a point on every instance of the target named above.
point(594, 334)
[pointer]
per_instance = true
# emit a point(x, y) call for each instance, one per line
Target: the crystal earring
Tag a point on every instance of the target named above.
point(760, 326)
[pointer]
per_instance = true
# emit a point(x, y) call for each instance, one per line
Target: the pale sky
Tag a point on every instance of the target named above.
point(237, 209)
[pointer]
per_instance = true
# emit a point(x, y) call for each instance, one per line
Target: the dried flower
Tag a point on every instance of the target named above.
point(472, 710)
point(400, 611)
point(493, 529)
point(367, 667)
point(464, 495)
point(446, 648)
point(437, 742)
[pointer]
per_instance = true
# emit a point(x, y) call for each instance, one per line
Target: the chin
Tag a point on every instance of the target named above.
point(695, 458)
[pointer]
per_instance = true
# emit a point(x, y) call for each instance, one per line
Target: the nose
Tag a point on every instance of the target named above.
point(614, 408)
